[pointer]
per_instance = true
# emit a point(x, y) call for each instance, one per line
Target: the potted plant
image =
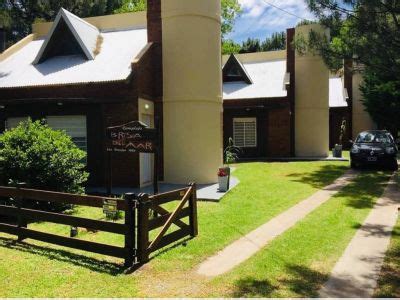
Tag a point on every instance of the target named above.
point(224, 173)
point(337, 150)
point(223, 180)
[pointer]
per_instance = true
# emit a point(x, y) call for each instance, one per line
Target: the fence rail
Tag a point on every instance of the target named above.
point(136, 229)
point(187, 207)
point(23, 197)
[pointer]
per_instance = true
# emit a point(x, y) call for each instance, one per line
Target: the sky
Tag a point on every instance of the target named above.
point(260, 20)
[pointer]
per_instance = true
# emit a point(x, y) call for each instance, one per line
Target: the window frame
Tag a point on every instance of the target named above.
point(245, 120)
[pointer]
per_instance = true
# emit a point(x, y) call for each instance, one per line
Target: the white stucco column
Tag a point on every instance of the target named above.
point(192, 90)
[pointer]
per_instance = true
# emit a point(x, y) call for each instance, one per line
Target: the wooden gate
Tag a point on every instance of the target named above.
point(152, 216)
point(136, 228)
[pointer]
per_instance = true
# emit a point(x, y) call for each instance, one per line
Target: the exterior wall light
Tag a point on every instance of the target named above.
point(146, 106)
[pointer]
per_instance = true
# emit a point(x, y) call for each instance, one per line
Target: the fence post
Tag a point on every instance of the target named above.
point(193, 210)
point(130, 229)
point(143, 228)
point(21, 222)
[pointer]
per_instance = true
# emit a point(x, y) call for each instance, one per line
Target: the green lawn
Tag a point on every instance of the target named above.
point(298, 262)
point(40, 270)
point(389, 279)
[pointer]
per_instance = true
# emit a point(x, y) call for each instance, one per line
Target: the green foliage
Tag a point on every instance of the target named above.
point(42, 158)
point(230, 9)
point(277, 41)
point(131, 6)
point(231, 152)
point(230, 47)
point(22, 14)
point(342, 130)
point(366, 31)
point(382, 99)
point(17, 16)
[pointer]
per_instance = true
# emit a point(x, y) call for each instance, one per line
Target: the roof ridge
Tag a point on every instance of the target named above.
point(70, 14)
point(85, 39)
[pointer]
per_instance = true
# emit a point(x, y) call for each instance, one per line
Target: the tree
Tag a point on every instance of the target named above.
point(366, 31)
point(230, 47)
point(382, 99)
point(250, 46)
point(277, 41)
point(17, 16)
point(230, 9)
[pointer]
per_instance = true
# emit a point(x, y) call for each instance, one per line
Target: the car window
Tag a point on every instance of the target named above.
point(374, 137)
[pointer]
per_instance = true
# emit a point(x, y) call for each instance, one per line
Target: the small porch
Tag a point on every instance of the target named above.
point(205, 192)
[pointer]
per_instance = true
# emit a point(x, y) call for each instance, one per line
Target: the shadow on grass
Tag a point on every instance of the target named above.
point(361, 193)
point(299, 279)
point(320, 178)
point(92, 264)
point(389, 279)
point(180, 243)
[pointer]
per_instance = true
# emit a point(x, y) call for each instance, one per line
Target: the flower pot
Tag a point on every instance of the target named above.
point(337, 151)
point(227, 171)
point(223, 183)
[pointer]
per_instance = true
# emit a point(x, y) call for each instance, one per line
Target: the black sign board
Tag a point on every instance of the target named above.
point(131, 137)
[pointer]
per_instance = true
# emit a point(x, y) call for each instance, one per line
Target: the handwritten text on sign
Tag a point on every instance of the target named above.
point(131, 137)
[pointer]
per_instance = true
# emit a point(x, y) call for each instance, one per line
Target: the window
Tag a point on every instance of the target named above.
point(74, 126)
point(245, 132)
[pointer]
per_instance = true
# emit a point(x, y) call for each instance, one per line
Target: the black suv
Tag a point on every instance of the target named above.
point(374, 147)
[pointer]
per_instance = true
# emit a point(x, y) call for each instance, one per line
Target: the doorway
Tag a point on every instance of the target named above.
point(146, 159)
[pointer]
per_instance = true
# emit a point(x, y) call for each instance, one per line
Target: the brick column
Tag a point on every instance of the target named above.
point(154, 25)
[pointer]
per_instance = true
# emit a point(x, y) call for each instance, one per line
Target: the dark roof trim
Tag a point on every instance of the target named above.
point(234, 62)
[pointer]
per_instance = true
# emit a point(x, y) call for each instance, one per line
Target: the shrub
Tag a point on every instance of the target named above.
point(42, 158)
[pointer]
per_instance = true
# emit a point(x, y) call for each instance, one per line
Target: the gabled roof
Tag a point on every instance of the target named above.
point(85, 35)
point(267, 72)
point(114, 62)
point(233, 64)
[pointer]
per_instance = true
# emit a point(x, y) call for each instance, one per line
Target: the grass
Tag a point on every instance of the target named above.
point(389, 279)
point(35, 269)
point(298, 262)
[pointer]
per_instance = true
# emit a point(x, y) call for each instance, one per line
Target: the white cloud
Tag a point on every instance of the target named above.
point(259, 19)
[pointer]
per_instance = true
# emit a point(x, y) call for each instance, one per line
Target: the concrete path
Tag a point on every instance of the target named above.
point(248, 245)
point(357, 271)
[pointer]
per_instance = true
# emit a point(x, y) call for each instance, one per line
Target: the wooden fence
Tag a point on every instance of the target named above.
point(136, 228)
point(162, 218)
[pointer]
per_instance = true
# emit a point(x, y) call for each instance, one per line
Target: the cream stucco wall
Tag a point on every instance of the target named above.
point(192, 90)
point(16, 47)
point(257, 56)
point(361, 119)
point(109, 22)
point(312, 100)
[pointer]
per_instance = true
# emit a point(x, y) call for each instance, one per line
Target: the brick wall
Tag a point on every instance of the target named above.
point(279, 132)
point(154, 27)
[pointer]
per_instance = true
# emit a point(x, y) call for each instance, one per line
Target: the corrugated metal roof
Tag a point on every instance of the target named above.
point(337, 94)
point(268, 81)
point(118, 50)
